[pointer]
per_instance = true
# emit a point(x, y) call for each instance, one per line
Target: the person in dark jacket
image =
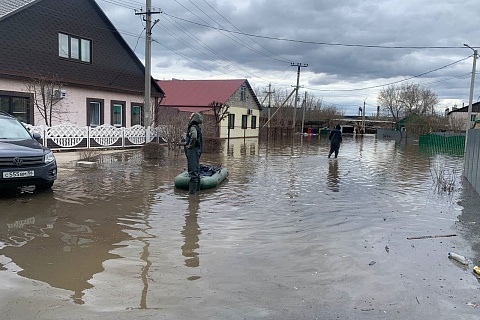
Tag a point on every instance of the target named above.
point(335, 138)
point(193, 151)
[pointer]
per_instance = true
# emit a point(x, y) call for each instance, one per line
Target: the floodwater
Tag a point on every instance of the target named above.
point(290, 235)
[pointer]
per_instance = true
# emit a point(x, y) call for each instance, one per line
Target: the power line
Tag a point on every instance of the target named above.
point(387, 84)
point(281, 58)
point(126, 64)
point(121, 4)
point(315, 42)
point(196, 39)
point(128, 5)
point(229, 36)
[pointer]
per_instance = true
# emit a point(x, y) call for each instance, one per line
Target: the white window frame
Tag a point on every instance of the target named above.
point(74, 48)
point(95, 119)
point(118, 115)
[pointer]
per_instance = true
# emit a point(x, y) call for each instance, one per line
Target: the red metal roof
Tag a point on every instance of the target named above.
point(198, 93)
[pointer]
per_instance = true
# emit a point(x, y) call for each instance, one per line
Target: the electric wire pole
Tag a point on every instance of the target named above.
point(363, 116)
point(298, 65)
point(269, 92)
point(148, 57)
point(470, 99)
point(472, 84)
point(304, 107)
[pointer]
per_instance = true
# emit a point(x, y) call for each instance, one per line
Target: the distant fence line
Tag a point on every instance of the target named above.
point(71, 136)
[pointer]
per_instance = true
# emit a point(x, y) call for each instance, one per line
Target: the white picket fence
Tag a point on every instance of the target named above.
point(71, 136)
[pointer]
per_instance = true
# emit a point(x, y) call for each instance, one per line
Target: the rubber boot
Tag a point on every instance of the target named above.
point(192, 187)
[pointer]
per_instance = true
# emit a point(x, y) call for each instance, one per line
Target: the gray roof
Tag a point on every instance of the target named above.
point(9, 6)
point(475, 108)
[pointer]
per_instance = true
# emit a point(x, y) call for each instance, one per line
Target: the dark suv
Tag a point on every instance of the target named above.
point(23, 160)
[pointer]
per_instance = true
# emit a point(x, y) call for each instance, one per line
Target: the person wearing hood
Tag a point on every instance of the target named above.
point(193, 151)
point(335, 138)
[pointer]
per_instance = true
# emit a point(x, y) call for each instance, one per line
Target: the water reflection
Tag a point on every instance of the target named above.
point(63, 237)
point(470, 218)
point(333, 179)
point(121, 237)
point(191, 232)
point(241, 147)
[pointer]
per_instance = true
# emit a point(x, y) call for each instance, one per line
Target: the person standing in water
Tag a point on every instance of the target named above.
point(193, 151)
point(335, 138)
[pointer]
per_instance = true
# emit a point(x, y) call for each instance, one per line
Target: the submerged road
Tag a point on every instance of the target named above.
point(290, 235)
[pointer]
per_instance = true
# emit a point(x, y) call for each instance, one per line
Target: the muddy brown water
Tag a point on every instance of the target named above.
point(290, 235)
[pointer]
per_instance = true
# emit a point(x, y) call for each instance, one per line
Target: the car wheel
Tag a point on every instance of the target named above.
point(44, 186)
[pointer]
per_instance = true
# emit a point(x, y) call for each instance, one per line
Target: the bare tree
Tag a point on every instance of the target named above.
point(437, 123)
point(429, 100)
point(456, 124)
point(389, 100)
point(48, 99)
point(171, 125)
point(417, 99)
point(327, 114)
point(220, 112)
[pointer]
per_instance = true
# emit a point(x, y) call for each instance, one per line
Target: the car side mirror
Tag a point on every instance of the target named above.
point(37, 136)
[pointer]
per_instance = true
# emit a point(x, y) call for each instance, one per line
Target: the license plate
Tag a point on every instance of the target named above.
point(18, 174)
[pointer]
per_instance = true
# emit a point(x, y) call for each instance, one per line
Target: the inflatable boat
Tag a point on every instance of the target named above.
point(210, 177)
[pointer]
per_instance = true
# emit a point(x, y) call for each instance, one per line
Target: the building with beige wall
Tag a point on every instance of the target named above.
point(458, 116)
point(243, 116)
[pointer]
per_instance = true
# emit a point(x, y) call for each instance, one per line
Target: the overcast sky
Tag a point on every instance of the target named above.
point(351, 46)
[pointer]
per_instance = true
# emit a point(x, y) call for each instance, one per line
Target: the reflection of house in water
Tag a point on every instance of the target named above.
point(67, 253)
point(191, 232)
point(16, 233)
point(244, 147)
point(67, 241)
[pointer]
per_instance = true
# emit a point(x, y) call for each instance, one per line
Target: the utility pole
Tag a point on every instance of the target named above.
point(148, 57)
point(298, 65)
point(304, 107)
point(472, 85)
point(363, 116)
point(269, 92)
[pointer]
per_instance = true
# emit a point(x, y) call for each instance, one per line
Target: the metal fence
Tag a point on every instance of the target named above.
point(472, 159)
point(71, 136)
point(442, 142)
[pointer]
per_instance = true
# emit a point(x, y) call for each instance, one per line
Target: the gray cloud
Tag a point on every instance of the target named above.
point(191, 51)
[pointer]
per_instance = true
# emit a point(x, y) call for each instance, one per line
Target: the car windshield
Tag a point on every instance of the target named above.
point(12, 129)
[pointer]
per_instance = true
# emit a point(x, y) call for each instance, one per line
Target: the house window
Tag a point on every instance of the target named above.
point(231, 121)
point(118, 113)
point(137, 114)
point(94, 112)
point(17, 106)
point(254, 122)
point(85, 50)
point(63, 50)
point(74, 48)
point(243, 93)
point(244, 121)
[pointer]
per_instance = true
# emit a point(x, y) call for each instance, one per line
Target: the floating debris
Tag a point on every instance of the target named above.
point(476, 269)
point(428, 237)
point(457, 257)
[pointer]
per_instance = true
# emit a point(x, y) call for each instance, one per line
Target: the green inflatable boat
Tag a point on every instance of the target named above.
point(210, 177)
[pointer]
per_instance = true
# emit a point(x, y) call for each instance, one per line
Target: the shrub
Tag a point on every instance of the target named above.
point(153, 150)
